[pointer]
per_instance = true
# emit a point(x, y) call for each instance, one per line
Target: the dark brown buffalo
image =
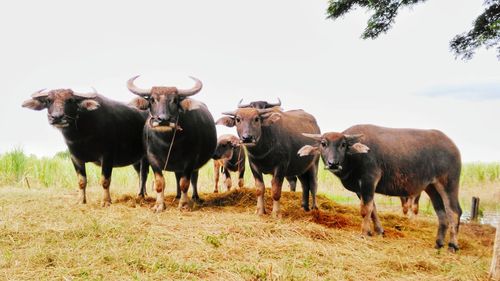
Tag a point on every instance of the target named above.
point(179, 134)
point(395, 162)
point(96, 129)
point(272, 138)
point(292, 180)
point(229, 157)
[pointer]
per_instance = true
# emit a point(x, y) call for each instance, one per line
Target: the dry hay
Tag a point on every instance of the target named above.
point(43, 235)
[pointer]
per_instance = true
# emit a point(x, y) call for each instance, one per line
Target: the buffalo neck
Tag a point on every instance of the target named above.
point(264, 146)
point(82, 125)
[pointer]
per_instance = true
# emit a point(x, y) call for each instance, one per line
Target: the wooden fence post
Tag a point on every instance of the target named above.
point(474, 209)
point(495, 261)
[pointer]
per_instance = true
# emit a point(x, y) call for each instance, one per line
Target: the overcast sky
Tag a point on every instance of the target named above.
point(253, 50)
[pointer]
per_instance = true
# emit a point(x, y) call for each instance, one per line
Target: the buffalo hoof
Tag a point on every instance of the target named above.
point(260, 212)
point(216, 191)
point(368, 233)
point(306, 208)
point(158, 208)
point(277, 215)
point(452, 248)
point(106, 203)
point(178, 196)
point(81, 201)
point(439, 244)
point(197, 199)
point(379, 231)
point(184, 207)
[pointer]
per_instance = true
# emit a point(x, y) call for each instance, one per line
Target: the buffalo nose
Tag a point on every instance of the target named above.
point(55, 118)
point(161, 117)
point(333, 164)
point(246, 138)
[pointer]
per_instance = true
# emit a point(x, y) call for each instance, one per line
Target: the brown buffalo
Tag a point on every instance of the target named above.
point(229, 157)
point(272, 138)
point(397, 162)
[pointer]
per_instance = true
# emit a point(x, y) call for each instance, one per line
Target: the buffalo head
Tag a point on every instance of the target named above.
point(164, 103)
point(225, 146)
point(249, 122)
point(63, 105)
point(333, 148)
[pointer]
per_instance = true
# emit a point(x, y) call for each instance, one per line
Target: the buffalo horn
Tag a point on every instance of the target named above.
point(136, 90)
point(39, 94)
point(196, 88)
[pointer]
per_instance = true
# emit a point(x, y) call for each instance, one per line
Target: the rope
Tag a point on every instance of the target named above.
point(171, 143)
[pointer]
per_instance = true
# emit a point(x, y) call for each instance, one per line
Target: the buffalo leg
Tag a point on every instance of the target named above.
point(367, 188)
point(184, 187)
point(376, 221)
point(405, 203)
point(453, 212)
point(178, 180)
point(439, 208)
point(160, 189)
point(227, 182)
point(366, 212)
point(194, 183)
point(305, 192)
point(82, 180)
point(142, 169)
point(292, 182)
point(414, 206)
point(241, 174)
point(260, 190)
point(107, 168)
point(216, 176)
point(277, 184)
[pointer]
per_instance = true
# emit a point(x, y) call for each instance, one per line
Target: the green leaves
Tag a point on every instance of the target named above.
point(484, 33)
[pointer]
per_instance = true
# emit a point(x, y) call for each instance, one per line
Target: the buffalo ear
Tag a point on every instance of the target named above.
point(34, 104)
point(226, 121)
point(308, 150)
point(268, 120)
point(358, 148)
point(190, 104)
point(139, 103)
point(89, 104)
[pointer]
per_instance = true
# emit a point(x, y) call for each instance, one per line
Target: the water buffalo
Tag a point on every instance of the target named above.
point(395, 162)
point(96, 129)
point(229, 157)
point(292, 180)
point(272, 138)
point(180, 136)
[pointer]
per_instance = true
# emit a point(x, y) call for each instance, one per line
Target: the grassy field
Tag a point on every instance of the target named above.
point(45, 235)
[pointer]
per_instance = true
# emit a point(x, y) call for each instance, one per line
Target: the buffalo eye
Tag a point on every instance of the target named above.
point(342, 145)
point(323, 143)
point(257, 119)
point(238, 119)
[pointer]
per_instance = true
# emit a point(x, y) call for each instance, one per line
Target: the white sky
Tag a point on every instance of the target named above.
point(253, 50)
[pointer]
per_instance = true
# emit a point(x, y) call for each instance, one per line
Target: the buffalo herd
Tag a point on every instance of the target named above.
point(165, 128)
